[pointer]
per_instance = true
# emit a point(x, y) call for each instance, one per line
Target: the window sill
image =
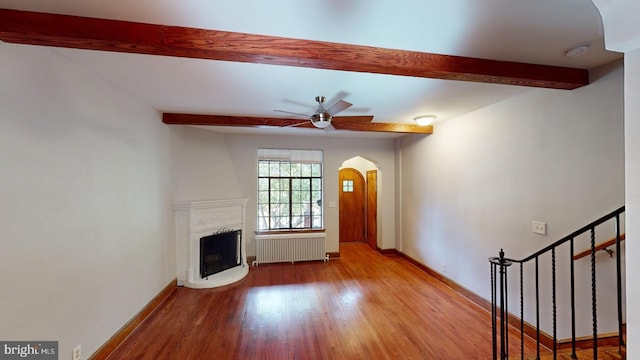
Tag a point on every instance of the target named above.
point(289, 231)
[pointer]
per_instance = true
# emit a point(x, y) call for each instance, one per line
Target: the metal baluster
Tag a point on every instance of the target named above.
point(493, 310)
point(553, 301)
point(537, 312)
point(506, 314)
point(573, 303)
point(521, 312)
point(503, 350)
point(594, 310)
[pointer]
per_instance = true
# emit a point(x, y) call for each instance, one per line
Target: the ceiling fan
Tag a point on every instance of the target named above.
point(322, 117)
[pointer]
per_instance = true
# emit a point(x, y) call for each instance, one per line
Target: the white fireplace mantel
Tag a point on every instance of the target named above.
point(196, 219)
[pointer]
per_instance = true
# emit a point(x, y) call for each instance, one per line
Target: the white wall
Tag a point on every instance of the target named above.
point(86, 189)
point(477, 183)
point(632, 152)
point(205, 170)
point(359, 163)
point(243, 150)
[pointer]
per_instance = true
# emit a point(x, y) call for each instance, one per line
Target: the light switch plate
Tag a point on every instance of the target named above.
point(539, 227)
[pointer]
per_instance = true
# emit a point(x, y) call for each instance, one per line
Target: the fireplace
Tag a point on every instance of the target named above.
point(219, 252)
point(210, 248)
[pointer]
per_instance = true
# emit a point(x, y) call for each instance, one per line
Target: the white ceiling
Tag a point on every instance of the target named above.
point(537, 32)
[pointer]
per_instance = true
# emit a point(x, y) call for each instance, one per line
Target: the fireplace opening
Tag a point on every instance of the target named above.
point(219, 252)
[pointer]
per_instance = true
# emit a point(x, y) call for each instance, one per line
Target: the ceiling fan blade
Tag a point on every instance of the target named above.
point(301, 123)
point(352, 119)
point(384, 127)
point(339, 106)
point(293, 113)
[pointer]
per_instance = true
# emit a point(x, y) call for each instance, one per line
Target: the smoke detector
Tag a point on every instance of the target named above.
point(577, 51)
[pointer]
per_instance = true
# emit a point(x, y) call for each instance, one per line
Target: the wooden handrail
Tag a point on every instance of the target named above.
point(602, 246)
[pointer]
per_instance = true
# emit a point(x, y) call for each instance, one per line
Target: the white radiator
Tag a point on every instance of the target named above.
point(275, 248)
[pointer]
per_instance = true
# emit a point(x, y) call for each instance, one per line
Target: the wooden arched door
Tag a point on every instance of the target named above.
point(351, 206)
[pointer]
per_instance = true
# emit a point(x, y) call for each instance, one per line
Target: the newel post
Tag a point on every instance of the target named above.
point(499, 267)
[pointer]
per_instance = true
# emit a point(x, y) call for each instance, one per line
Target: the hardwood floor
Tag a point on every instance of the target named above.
point(361, 306)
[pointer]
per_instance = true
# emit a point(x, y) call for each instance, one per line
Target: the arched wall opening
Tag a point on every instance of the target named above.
point(372, 175)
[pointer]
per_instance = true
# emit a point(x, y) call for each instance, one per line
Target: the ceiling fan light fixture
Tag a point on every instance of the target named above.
point(321, 119)
point(424, 120)
point(320, 122)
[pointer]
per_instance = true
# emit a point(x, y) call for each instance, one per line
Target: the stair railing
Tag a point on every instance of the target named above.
point(499, 292)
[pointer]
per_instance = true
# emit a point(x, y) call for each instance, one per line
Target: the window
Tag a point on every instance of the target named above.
point(289, 189)
point(347, 185)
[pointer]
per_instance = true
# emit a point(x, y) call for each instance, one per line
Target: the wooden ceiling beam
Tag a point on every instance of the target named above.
point(252, 121)
point(385, 127)
point(224, 120)
point(67, 31)
point(361, 123)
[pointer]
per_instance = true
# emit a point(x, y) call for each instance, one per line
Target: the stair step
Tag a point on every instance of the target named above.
point(604, 353)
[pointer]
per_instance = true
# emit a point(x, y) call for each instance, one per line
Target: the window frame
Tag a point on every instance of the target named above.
point(281, 211)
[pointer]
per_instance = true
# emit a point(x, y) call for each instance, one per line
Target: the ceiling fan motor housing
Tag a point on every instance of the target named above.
point(322, 118)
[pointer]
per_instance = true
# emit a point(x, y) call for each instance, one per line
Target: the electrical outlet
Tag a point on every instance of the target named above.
point(77, 353)
point(539, 227)
point(443, 267)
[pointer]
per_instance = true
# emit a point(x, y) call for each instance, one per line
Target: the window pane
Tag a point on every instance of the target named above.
point(263, 209)
point(295, 184)
point(316, 184)
point(263, 184)
point(316, 170)
point(280, 222)
point(284, 198)
point(284, 184)
point(274, 184)
point(263, 168)
point(297, 222)
point(276, 209)
point(295, 170)
point(274, 168)
point(285, 169)
point(305, 170)
point(295, 197)
point(274, 197)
